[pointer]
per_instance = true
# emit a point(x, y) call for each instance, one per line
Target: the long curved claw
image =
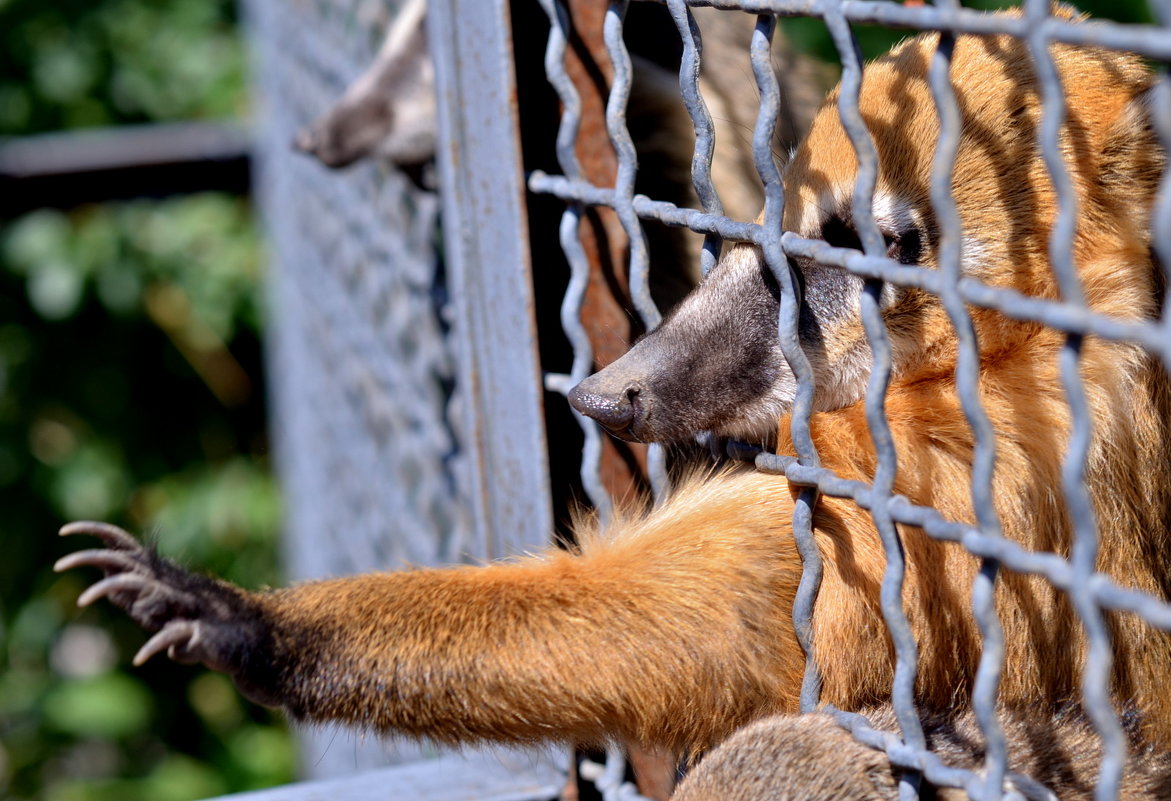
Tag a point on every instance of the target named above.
point(122, 581)
point(112, 536)
point(98, 557)
point(194, 619)
point(177, 632)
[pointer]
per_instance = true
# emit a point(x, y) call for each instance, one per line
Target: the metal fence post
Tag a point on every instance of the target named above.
point(487, 253)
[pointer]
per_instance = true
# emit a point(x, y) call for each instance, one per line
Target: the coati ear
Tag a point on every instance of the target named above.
point(1133, 159)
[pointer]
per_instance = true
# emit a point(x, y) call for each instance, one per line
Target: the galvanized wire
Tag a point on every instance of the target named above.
point(1057, 314)
point(1161, 214)
point(967, 376)
point(583, 353)
point(1151, 41)
point(774, 257)
point(608, 778)
point(639, 272)
point(1091, 592)
point(705, 141)
point(891, 595)
point(1099, 661)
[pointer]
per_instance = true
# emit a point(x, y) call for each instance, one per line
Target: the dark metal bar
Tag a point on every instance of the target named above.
point(67, 169)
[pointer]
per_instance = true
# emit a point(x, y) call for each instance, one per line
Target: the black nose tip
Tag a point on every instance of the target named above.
point(615, 411)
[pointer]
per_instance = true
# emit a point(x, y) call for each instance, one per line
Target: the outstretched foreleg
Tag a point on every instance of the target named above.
point(670, 630)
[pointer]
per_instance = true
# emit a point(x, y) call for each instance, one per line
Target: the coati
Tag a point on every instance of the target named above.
point(812, 757)
point(389, 111)
point(683, 614)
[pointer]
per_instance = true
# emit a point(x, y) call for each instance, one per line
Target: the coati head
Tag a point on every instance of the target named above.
point(715, 363)
point(389, 111)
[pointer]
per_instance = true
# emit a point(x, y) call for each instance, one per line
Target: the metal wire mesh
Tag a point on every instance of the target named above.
point(1091, 593)
point(362, 362)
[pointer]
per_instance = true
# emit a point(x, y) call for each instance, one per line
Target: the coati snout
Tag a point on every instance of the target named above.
point(715, 355)
point(715, 364)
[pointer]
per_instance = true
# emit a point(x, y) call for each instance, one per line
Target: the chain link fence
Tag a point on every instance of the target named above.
point(362, 361)
point(1091, 593)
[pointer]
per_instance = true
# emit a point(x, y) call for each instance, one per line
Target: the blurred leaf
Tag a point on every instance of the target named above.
point(20, 692)
point(54, 289)
point(32, 630)
point(103, 414)
point(91, 484)
point(36, 238)
point(215, 698)
point(91, 790)
point(64, 68)
point(111, 706)
point(222, 517)
point(267, 755)
point(181, 778)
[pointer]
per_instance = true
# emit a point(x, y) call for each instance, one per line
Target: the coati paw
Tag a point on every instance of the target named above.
point(195, 619)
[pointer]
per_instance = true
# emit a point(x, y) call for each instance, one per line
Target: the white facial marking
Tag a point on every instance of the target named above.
point(814, 214)
point(895, 214)
point(974, 255)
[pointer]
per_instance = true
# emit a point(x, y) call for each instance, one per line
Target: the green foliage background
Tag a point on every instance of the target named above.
point(131, 390)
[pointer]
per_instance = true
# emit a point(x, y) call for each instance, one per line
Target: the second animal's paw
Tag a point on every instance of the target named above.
point(195, 619)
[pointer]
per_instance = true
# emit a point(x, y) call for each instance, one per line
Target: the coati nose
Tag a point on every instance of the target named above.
point(616, 411)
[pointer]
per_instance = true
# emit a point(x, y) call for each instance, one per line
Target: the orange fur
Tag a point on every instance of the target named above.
point(1008, 208)
point(645, 633)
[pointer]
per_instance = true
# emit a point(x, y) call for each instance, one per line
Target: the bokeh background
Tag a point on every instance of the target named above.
point(132, 389)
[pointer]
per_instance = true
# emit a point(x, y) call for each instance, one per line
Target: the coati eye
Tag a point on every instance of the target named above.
point(840, 234)
point(904, 247)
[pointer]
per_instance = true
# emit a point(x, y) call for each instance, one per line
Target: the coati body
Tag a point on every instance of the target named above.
point(736, 382)
point(799, 758)
point(673, 628)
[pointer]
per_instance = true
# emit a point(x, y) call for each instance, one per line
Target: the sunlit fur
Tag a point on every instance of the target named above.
point(1007, 205)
